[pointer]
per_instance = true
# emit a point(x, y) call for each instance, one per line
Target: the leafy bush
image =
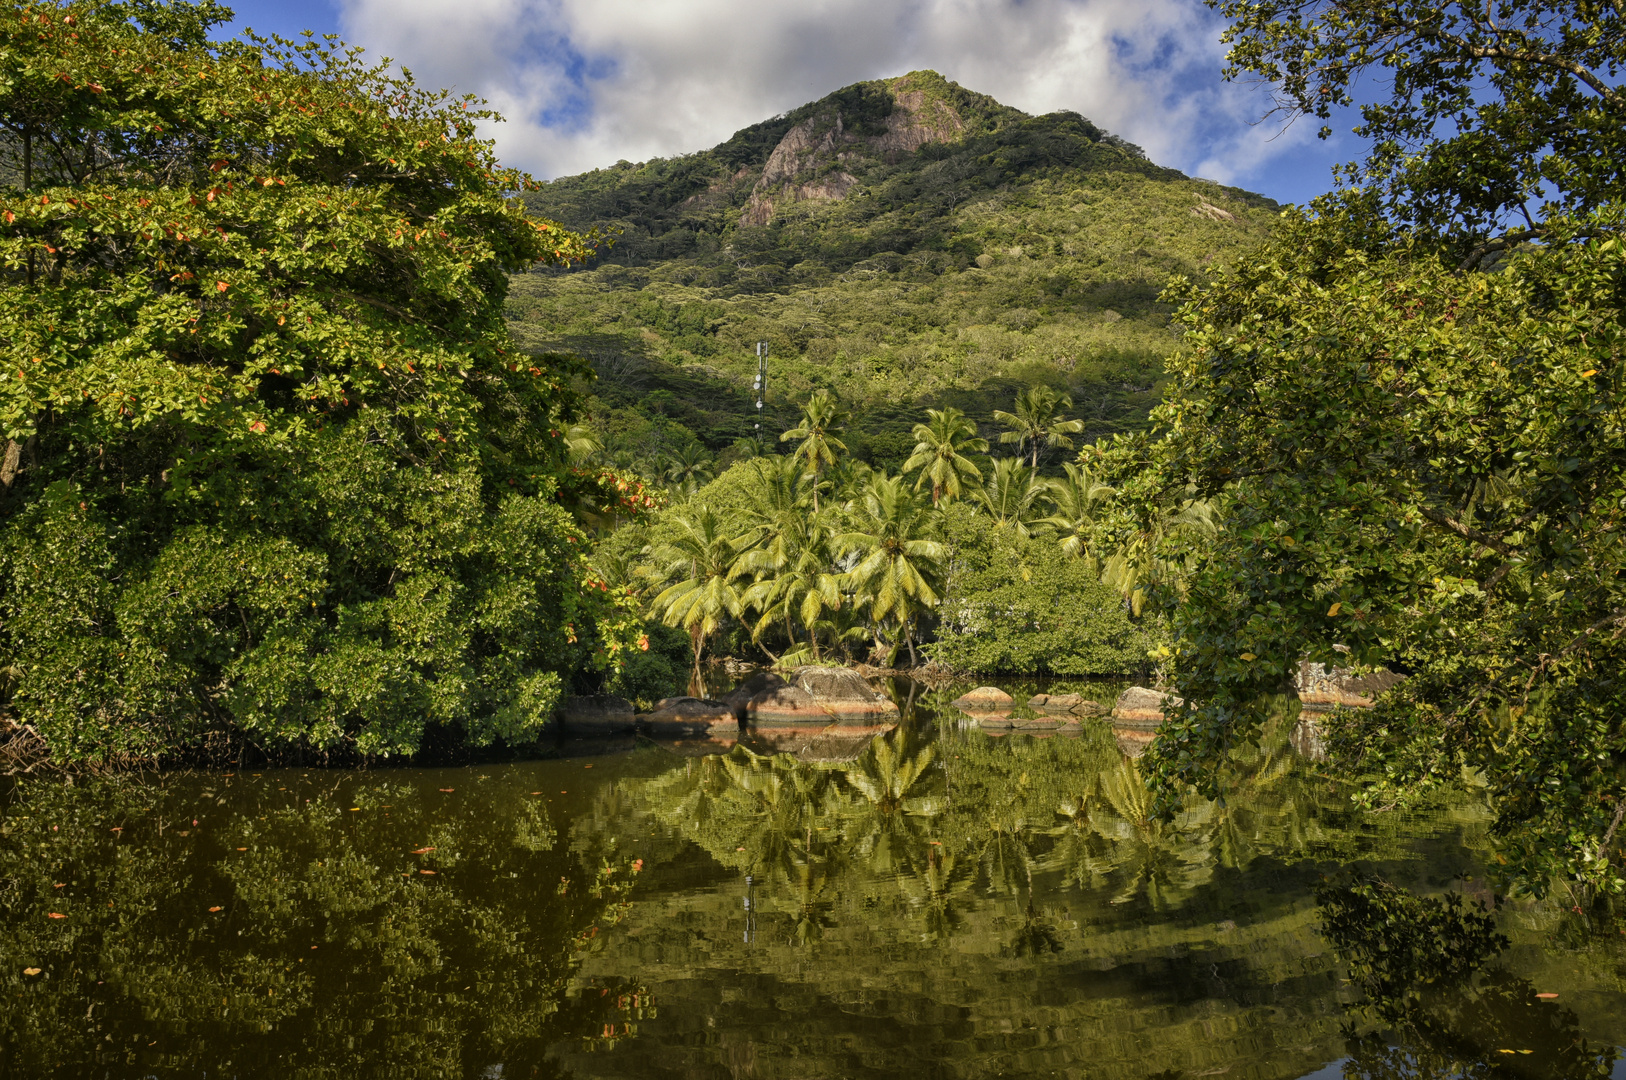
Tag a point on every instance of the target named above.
point(1019, 605)
point(662, 671)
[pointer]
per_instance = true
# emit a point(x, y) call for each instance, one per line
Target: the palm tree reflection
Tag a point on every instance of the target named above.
point(930, 816)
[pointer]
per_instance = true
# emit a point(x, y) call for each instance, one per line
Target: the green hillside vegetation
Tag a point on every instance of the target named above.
point(904, 243)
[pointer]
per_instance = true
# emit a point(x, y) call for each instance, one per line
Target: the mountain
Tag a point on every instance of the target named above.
point(903, 242)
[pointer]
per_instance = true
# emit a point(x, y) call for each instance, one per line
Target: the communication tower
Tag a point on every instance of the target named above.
point(760, 386)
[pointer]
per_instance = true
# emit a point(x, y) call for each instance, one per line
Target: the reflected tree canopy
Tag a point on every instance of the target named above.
point(148, 927)
point(1442, 1007)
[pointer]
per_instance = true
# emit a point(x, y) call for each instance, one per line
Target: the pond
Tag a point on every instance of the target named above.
point(931, 900)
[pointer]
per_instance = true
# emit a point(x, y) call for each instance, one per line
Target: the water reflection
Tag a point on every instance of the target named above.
point(191, 927)
point(929, 900)
point(1426, 968)
point(952, 903)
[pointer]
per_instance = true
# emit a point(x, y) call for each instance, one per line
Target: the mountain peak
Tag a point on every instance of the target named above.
point(882, 121)
point(886, 167)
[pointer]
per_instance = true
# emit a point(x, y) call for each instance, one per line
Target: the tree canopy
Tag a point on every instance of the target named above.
point(272, 464)
point(1408, 406)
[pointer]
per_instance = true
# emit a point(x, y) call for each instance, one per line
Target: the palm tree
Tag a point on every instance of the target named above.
point(848, 479)
point(940, 450)
point(1145, 559)
point(898, 559)
point(1074, 499)
point(818, 432)
point(1012, 489)
point(789, 556)
point(700, 562)
point(582, 443)
point(688, 467)
point(1036, 421)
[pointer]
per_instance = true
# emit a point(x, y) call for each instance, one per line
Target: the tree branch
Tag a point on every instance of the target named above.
point(1603, 845)
point(1502, 243)
point(1467, 533)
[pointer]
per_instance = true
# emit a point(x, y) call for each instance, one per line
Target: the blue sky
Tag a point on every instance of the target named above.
point(584, 83)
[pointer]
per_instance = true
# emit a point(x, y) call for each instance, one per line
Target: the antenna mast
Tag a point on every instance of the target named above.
point(761, 388)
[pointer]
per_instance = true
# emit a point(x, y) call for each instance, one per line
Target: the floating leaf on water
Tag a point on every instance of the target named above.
point(423, 851)
point(354, 808)
point(217, 909)
point(55, 915)
point(242, 849)
point(31, 971)
point(426, 871)
point(1546, 997)
point(448, 789)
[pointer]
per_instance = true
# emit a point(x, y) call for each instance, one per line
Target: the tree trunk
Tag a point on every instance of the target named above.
point(11, 462)
point(697, 643)
point(909, 639)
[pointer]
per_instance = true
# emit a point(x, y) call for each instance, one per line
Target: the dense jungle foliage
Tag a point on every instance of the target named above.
point(271, 467)
point(813, 556)
point(1407, 408)
point(931, 273)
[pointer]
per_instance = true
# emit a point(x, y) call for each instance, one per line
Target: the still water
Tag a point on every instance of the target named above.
point(931, 901)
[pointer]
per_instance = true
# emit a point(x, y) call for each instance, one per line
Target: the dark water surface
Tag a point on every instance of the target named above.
point(933, 901)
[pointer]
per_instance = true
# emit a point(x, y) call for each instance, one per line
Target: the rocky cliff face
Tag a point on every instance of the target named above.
point(811, 161)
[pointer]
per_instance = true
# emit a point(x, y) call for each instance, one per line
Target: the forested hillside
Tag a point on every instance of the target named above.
point(904, 243)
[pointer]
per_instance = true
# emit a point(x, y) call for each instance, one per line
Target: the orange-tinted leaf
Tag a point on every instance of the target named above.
point(217, 909)
point(423, 851)
point(31, 971)
point(55, 915)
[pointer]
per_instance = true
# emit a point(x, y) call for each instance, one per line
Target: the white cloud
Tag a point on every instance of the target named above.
point(584, 83)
